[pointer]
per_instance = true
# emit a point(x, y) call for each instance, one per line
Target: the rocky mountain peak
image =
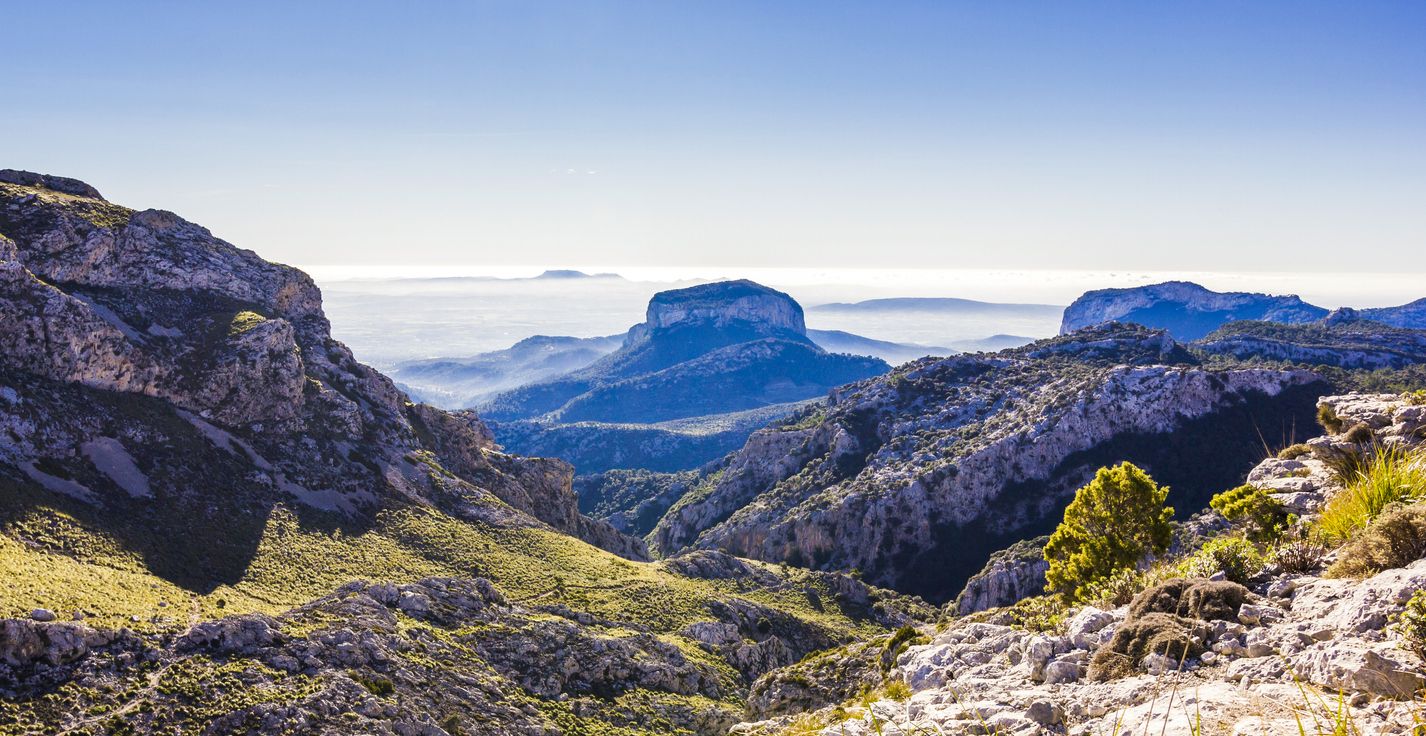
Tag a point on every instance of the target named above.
point(61, 184)
point(1187, 310)
point(721, 303)
point(232, 357)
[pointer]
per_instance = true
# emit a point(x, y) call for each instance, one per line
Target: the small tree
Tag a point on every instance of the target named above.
point(1111, 524)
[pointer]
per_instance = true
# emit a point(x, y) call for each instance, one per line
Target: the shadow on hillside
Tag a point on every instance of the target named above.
point(202, 526)
point(1202, 457)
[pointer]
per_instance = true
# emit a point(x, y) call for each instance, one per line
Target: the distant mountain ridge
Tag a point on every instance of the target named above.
point(1190, 311)
point(937, 304)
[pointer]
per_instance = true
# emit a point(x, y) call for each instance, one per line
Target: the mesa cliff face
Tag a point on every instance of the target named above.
point(189, 341)
point(723, 303)
point(916, 477)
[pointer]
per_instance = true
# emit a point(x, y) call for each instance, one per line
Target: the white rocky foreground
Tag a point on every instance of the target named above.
point(1304, 654)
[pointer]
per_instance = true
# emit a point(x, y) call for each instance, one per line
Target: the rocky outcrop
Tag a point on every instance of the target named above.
point(916, 478)
point(1186, 656)
point(1012, 574)
point(1190, 312)
point(1411, 315)
point(147, 330)
point(1186, 310)
point(1343, 339)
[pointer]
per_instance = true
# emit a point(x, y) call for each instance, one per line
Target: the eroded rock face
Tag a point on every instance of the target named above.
point(916, 478)
point(1013, 574)
point(146, 329)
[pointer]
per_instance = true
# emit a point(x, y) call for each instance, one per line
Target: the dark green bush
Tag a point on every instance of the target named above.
point(1113, 523)
point(1237, 558)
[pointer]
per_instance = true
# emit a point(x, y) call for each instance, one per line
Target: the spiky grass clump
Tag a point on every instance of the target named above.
point(1389, 476)
point(1395, 539)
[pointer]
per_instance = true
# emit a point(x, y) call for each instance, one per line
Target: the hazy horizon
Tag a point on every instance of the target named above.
point(392, 315)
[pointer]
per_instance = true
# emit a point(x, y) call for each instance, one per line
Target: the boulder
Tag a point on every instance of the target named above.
point(1375, 668)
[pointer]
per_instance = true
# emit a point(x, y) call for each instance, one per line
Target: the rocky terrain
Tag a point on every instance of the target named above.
point(1344, 339)
point(1292, 650)
point(190, 467)
point(141, 344)
point(214, 520)
point(915, 478)
point(1190, 312)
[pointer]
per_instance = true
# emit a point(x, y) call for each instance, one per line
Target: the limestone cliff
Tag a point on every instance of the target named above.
point(146, 330)
point(916, 477)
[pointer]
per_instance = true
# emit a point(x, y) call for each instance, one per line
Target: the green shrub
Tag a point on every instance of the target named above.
point(1292, 452)
point(1395, 539)
point(376, 685)
point(1390, 476)
point(1039, 613)
point(1237, 558)
point(1255, 508)
point(1415, 398)
point(906, 636)
point(1412, 623)
point(1119, 588)
point(1327, 417)
point(1113, 523)
point(244, 321)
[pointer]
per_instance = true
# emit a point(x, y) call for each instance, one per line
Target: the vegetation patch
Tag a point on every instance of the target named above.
point(1113, 523)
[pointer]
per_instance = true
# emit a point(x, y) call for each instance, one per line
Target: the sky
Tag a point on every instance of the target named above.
point(1195, 136)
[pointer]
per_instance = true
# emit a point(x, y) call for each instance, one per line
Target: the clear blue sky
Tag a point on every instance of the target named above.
point(1145, 135)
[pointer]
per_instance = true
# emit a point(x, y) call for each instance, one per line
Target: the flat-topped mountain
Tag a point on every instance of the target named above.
point(725, 304)
point(1188, 311)
point(708, 349)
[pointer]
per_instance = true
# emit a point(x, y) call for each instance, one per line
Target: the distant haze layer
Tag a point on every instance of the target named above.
point(391, 314)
